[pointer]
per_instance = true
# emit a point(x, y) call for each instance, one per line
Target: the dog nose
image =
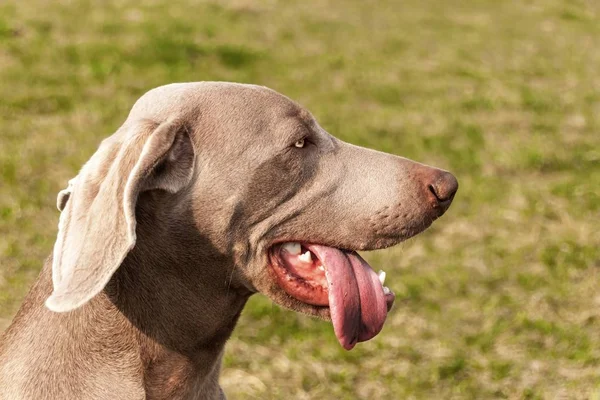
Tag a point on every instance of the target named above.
point(443, 186)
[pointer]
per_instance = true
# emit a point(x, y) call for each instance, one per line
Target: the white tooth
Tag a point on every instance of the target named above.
point(386, 290)
point(321, 268)
point(292, 248)
point(306, 258)
point(381, 275)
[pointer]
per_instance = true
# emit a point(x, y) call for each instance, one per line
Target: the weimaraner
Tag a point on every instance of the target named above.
point(208, 193)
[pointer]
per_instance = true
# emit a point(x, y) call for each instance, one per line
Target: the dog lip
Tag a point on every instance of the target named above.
point(384, 242)
point(308, 286)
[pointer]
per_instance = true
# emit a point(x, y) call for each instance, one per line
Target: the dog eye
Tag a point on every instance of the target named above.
point(300, 143)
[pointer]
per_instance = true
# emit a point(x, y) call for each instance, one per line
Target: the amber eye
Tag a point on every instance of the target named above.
point(299, 143)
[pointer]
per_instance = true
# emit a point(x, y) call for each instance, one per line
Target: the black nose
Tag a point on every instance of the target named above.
point(444, 187)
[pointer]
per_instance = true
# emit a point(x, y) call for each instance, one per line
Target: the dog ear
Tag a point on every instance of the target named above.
point(97, 225)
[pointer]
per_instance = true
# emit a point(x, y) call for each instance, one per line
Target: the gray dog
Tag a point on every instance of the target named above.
point(208, 193)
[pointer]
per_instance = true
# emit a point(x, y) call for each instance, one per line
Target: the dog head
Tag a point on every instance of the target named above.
point(286, 203)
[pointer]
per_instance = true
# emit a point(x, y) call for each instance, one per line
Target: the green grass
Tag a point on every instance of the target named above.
point(499, 299)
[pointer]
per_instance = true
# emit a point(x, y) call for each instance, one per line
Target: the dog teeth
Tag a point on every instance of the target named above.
point(306, 257)
point(386, 290)
point(292, 248)
point(321, 268)
point(381, 275)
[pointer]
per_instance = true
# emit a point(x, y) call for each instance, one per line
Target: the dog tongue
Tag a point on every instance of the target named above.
point(356, 299)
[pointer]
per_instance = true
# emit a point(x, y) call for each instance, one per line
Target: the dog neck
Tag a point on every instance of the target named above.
point(181, 323)
point(177, 293)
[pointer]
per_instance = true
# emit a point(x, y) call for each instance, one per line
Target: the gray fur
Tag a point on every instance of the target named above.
point(164, 235)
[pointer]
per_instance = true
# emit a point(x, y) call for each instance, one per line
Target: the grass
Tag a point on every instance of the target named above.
point(499, 299)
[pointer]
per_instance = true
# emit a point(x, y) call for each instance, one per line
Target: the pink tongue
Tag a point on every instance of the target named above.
point(356, 298)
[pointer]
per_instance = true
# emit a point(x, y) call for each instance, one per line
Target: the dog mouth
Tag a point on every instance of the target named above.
point(340, 279)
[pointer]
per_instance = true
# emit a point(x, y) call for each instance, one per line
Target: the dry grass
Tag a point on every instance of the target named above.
point(498, 300)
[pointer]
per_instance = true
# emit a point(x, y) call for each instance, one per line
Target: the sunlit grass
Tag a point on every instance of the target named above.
point(498, 300)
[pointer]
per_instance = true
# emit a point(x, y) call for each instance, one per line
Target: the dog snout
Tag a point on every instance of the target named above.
point(443, 186)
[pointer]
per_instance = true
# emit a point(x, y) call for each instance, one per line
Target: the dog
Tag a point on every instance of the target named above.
point(208, 193)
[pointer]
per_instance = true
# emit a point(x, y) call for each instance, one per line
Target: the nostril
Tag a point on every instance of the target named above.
point(432, 190)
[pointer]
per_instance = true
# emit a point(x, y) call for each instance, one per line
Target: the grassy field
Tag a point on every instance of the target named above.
point(500, 299)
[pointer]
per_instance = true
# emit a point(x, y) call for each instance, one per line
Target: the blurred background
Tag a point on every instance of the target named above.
point(499, 299)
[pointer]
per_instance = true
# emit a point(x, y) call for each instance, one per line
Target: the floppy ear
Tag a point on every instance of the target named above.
point(97, 226)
